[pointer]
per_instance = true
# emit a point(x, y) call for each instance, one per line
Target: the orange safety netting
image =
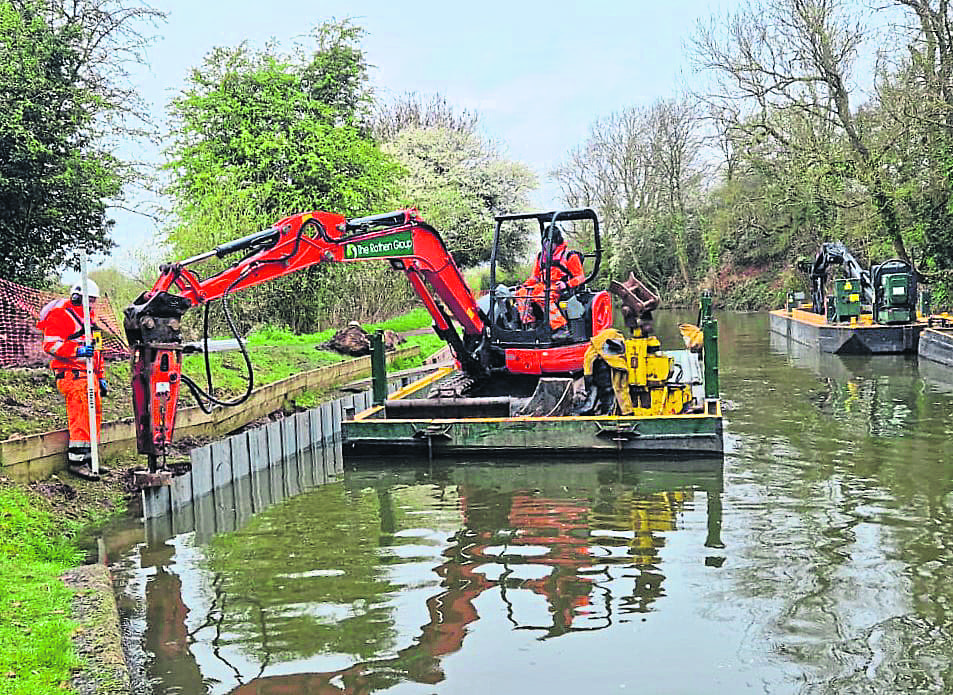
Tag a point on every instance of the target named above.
point(21, 344)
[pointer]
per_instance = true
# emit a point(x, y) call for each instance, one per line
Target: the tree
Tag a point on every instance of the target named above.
point(641, 170)
point(254, 140)
point(915, 104)
point(335, 72)
point(457, 179)
point(782, 69)
point(412, 110)
point(63, 102)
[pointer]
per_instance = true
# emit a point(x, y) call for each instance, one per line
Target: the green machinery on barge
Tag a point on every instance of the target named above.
point(869, 311)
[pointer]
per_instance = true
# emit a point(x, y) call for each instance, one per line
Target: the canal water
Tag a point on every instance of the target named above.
point(815, 558)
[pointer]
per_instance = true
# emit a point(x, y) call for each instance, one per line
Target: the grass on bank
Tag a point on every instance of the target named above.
point(36, 654)
point(30, 402)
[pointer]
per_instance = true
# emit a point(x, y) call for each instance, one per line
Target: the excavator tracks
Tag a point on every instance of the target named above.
point(454, 386)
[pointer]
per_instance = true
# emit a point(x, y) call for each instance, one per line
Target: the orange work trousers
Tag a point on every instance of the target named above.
point(527, 296)
point(77, 408)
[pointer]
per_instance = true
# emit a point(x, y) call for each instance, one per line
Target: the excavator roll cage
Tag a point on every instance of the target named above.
point(587, 312)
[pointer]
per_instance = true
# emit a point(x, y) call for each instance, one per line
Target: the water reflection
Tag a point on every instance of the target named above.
point(840, 479)
point(878, 395)
point(375, 581)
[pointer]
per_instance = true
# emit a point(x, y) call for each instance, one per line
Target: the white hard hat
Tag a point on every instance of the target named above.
point(91, 287)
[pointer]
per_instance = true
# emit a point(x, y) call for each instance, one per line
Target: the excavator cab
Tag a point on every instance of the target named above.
point(535, 348)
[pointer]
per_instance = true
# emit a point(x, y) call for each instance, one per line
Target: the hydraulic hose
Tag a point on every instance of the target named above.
point(200, 395)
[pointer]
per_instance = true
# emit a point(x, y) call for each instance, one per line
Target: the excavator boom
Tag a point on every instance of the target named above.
point(153, 321)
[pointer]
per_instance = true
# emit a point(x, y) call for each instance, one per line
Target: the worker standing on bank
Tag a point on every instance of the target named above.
point(566, 272)
point(64, 340)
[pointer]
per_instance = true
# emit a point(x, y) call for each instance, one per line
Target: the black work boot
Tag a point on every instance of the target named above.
point(79, 461)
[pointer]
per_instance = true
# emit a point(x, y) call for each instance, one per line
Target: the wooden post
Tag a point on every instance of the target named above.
point(710, 331)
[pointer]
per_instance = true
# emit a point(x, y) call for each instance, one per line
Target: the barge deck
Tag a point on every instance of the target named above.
point(407, 425)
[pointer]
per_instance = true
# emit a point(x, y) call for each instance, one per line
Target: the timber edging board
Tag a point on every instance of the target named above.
point(37, 456)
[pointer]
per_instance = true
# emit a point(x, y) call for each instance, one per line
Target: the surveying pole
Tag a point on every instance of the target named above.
point(91, 383)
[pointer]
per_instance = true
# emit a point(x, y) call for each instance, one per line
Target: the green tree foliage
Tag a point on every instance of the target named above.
point(61, 97)
point(257, 136)
point(459, 183)
point(335, 74)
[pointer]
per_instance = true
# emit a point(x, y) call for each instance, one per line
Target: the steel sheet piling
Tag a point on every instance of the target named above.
point(221, 483)
point(233, 478)
point(305, 449)
point(241, 464)
point(337, 415)
point(289, 444)
point(327, 422)
point(201, 471)
point(319, 477)
point(258, 460)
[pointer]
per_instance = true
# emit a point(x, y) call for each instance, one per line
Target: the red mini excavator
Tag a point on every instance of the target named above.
point(489, 341)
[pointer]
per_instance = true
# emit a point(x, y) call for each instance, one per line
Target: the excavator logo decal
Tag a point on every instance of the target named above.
point(400, 244)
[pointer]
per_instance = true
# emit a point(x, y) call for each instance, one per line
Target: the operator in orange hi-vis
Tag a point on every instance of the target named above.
point(566, 273)
point(64, 340)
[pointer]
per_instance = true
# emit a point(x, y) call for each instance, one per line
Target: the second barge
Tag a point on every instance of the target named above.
point(859, 337)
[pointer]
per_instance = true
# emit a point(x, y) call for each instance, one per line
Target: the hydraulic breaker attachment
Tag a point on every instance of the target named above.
point(153, 328)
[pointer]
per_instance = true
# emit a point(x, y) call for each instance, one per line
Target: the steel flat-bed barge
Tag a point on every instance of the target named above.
point(412, 424)
point(859, 337)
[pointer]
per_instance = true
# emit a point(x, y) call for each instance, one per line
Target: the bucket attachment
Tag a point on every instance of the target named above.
point(552, 398)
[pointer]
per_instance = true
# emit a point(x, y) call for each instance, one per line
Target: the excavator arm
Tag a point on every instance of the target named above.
point(835, 253)
point(153, 321)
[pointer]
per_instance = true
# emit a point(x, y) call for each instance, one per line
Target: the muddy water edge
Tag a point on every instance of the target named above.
point(815, 558)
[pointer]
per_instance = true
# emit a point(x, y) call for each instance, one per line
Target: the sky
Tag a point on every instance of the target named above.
point(538, 73)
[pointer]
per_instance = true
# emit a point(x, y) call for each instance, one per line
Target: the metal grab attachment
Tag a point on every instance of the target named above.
point(638, 302)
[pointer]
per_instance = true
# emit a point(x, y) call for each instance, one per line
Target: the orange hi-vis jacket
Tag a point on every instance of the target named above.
point(62, 324)
point(566, 267)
